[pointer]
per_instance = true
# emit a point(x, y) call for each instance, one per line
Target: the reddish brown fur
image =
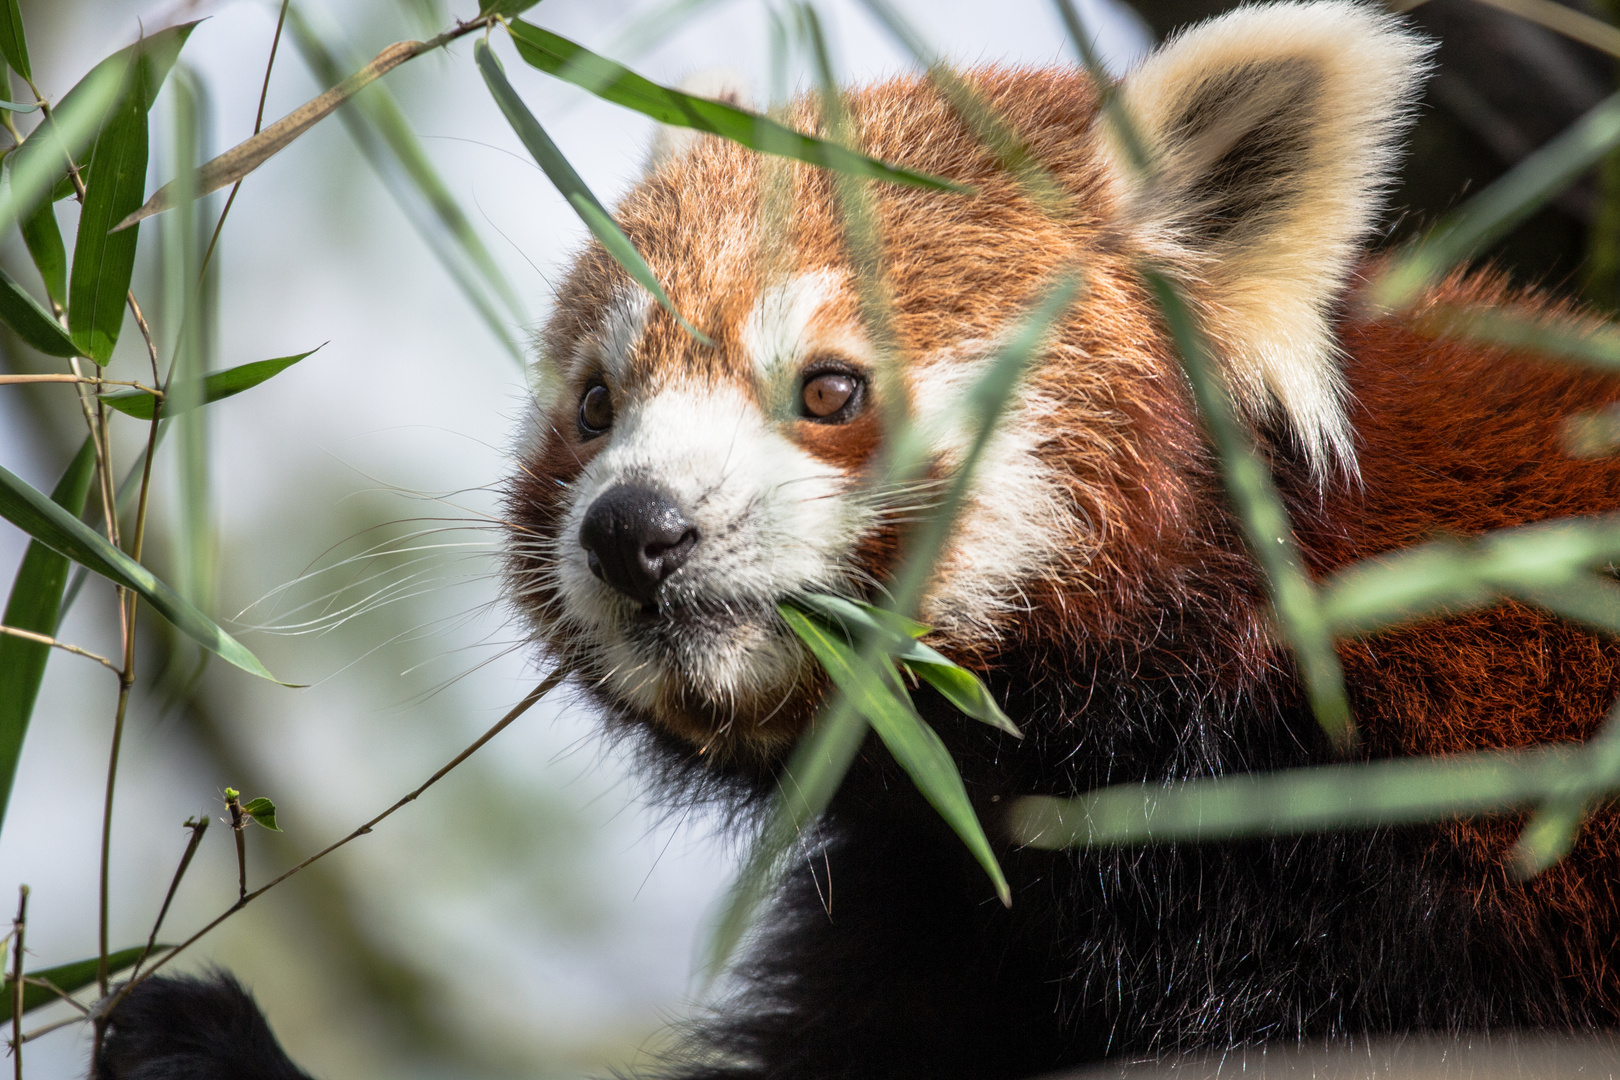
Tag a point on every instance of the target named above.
point(1450, 437)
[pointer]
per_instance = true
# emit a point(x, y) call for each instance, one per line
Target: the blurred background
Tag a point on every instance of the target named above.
point(533, 915)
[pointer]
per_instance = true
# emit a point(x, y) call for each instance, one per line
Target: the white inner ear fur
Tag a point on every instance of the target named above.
point(1272, 134)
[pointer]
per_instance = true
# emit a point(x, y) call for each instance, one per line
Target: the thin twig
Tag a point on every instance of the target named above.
point(549, 684)
point(146, 334)
point(34, 980)
point(54, 1026)
point(258, 123)
point(43, 639)
point(198, 826)
point(18, 925)
point(233, 803)
point(88, 380)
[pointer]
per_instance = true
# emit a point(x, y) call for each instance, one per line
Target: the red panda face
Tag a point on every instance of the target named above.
point(673, 492)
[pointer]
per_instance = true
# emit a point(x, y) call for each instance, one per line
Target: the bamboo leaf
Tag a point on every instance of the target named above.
point(1504, 204)
point(39, 166)
point(1455, 575)
point(569, 183)
point(44, 239)
point(215, 387)
point(963, 690)
point(103, 261)
point(383, 134)
point(804, 791)
point(896, 636)
point(509, 9)
point(1294, 599)
point(881, 697)
point(35, 602)
point(42, 519)
point(70, 977)
point(613, 82)
point(1596, 345)
point(13, 43)
point(31, 322)
point(1296, 801)
point(263, 811)
point(249, 154)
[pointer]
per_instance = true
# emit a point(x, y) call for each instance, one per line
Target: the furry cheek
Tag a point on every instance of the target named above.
point(1013, 525)
point(771, 521)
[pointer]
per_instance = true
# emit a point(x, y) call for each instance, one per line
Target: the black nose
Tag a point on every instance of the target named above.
point(634, 537)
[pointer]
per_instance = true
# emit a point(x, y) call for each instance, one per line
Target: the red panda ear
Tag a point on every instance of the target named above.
point(1272, 134)
point(725, 84)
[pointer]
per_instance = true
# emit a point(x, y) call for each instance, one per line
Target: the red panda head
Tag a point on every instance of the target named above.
point(672, 492)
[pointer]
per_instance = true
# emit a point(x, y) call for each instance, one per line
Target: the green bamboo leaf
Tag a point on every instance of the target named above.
point(215, 387)
point(1551, 831)
point(104, 261)
point(1595, 345)
point(556, 55)
point(75, 976)
point(1514, 196)
point(868, 617)
point(1293, 801)
point(509, 9)
point(42, 519)
point(1593, 434)
point(39, 166)
point(380, 129)
point(1448, 576)
point(13, 45)
point(1294, 599)
point(880, 696)
point(31, 322)
point(35, 602)
point(263, 811)
point(19, 106)
point(568, 182)
point(44, 239)
point(804, 791)
point(896, 636)
point(963, 690)
point(1587, 599)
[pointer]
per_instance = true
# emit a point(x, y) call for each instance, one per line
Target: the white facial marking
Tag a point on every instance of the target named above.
point(619, 332)
point(1014, 524)
point(770, 522)
point(782, 331)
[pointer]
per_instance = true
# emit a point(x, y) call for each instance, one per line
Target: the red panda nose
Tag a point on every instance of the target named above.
point(634, 537)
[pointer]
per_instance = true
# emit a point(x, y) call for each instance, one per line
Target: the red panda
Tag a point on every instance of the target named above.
point(671, 491)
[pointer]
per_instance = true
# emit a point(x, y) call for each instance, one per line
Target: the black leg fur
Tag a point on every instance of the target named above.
point(191, 1029)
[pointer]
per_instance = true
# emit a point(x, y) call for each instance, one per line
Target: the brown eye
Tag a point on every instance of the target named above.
point(595, 411)
point(832, 396)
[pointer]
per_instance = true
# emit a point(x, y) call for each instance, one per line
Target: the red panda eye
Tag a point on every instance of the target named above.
point(595, 411)
point(831, 395)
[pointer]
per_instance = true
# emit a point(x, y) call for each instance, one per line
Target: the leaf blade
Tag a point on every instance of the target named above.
point(880, 696)
point(42, 519)
point(31, 322)
point(74, 976)
point(34, 604)
point(570, 184)
point(43, 236)
point(104, 261)
point(610, 81)
point(13, 44)
point(215, 387)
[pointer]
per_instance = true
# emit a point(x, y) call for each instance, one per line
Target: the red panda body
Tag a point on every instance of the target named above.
point(672, 492)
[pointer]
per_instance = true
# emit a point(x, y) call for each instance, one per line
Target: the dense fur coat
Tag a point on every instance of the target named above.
point(1098, 581)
